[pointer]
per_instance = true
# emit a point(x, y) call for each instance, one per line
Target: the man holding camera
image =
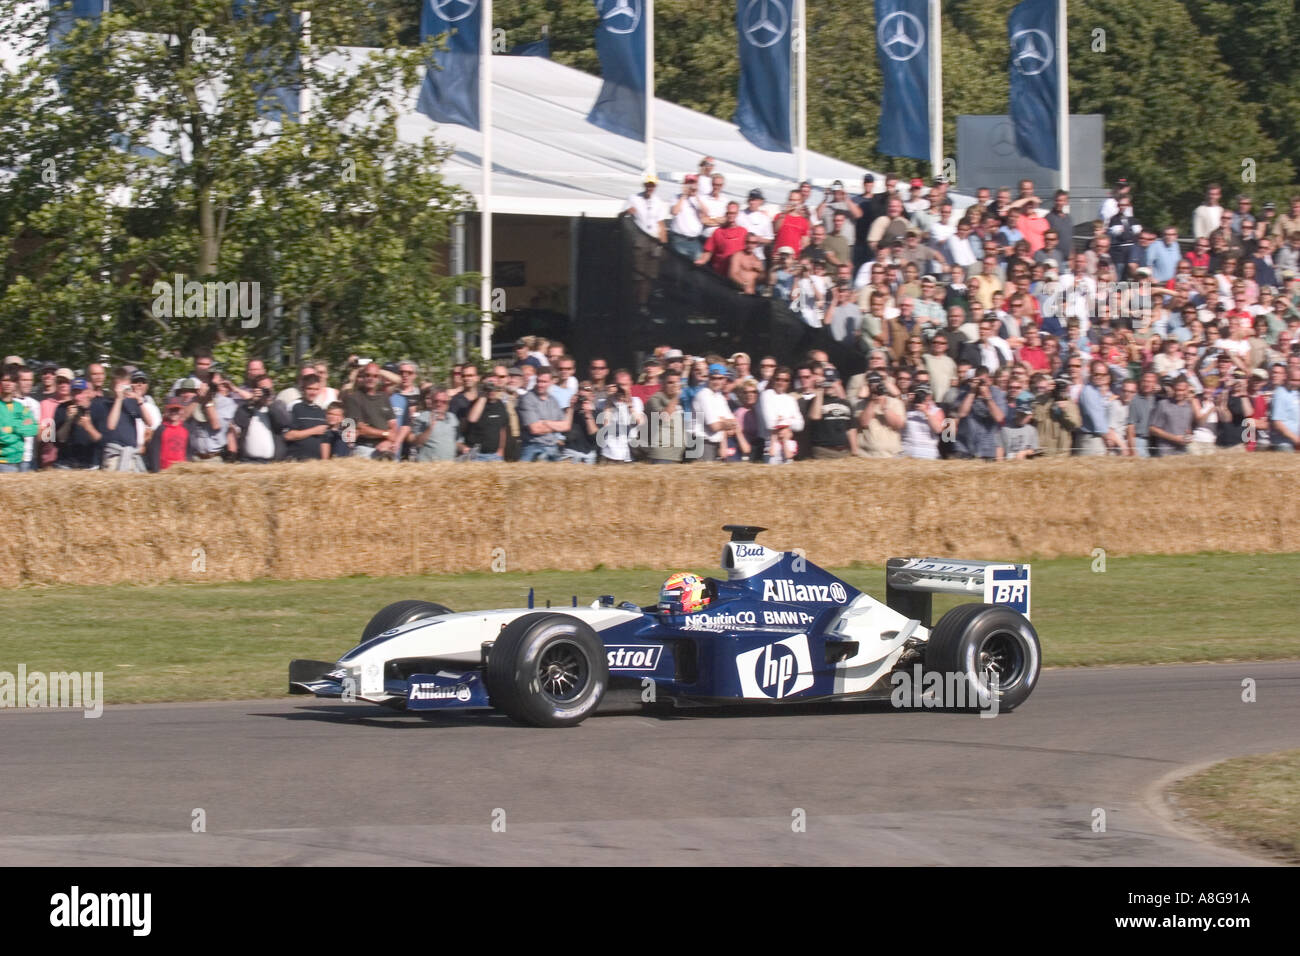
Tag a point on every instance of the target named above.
point(1056, 416)
point(880, 418)
point(980, 410)
point(79, 427)
point(256, 433)
point(487, 422)
point(121, 436)
point(686, 228)
point(831, 432)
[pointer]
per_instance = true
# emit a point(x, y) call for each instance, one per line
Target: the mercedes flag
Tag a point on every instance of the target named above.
point(763, 100)
point(65, 13)
point(903, 50)
point(1031, 28)
point(620, 44)
point(450, 90)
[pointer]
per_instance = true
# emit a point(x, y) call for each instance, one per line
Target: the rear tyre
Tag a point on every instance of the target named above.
point(399, 613)
point(973, 644)
point(547, 670)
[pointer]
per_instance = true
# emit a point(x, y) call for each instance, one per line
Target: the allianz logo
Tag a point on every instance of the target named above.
point(785, 590)
point(440, 692)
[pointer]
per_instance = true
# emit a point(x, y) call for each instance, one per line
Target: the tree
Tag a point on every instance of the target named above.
point(149, 145)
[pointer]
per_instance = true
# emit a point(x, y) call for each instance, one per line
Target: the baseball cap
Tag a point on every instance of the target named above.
point(173, 403)
point(650, 178)
point(868, 178)
point(673, 354)
point(390, 367)
point(756, 194)
point(80, 385)
point(1024, 403)
point(927, 279)
point(65, 373)
point(692, 178)
point(190, 384)
point(1270, 205)
point(717, 368)
point(139, 376)
point(1260, 373)
point(48, 367)
point(838, 184)
point(786, 250)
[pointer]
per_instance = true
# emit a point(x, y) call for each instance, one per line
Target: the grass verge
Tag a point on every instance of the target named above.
point(233, 641)
point(1252, 801)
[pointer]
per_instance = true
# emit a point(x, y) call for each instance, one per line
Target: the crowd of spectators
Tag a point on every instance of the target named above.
point(997, 333)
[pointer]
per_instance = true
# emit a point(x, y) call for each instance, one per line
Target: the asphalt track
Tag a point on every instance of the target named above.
point(306, 782)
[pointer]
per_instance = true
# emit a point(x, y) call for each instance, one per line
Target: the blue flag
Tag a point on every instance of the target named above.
point(450, 94)
point(763, 100)
point(65, 13)
point(620, 44)
point(540, 47)
point(277, 93)
point(1031, 28)
point(903, 50)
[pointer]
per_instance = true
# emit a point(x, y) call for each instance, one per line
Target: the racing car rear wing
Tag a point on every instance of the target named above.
point(911, 582)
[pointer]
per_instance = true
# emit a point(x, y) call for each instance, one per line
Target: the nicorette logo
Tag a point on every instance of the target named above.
point(783, 589)
point(633, 657)
point(720, 622)
point(440, 692)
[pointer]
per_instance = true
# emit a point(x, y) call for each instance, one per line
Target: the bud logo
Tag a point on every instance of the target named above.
point(440, 692)
point(633, 657)
point(776, 670)
point(751, 551)
point(783, 589)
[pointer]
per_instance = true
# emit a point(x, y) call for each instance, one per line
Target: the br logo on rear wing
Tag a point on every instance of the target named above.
point(1009, 585)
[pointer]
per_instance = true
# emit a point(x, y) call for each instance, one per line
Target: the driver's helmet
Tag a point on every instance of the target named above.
point(683, 593)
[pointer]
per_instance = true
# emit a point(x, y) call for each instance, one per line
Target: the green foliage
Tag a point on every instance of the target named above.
point(155, 156)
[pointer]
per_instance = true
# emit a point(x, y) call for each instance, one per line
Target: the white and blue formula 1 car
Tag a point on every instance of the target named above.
point(777, 629)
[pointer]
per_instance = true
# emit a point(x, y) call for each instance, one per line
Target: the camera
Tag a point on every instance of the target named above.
point(830, 375)
point(876, 382)
point(1061, 390)
point(920, 393)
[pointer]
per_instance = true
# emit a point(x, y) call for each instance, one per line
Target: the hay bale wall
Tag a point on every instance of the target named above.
point(321, 520)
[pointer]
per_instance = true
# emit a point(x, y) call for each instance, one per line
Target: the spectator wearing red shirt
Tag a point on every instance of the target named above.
point(1032, 353)
point(726, 241)
point(1033, 227)
point(1199, 255)
point(172, 437)
point(792, 226)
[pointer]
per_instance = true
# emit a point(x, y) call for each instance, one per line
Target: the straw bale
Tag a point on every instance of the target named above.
point(329, 519)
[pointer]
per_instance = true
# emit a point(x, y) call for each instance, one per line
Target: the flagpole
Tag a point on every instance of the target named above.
point(650, 88)
point(1062, 97)
point(936, 91)
point(485, 211)
point(801, 100)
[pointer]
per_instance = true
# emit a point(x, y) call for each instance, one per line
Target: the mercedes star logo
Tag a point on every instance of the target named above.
point(620, 16)
point(1031, 51)
point(1003, 139)
point(901, 36)
point(453, 10)
point(765, 22)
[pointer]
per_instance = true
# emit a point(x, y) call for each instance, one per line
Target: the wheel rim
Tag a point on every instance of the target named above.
point(563, 671)
point(1001, 654)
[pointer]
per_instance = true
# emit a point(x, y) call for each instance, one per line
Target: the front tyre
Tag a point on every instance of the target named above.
point(399, 613)
point(547, 670)
point(978, 647)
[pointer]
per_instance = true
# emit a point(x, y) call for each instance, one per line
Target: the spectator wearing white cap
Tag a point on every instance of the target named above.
point(757, 222)
point(686, 229)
